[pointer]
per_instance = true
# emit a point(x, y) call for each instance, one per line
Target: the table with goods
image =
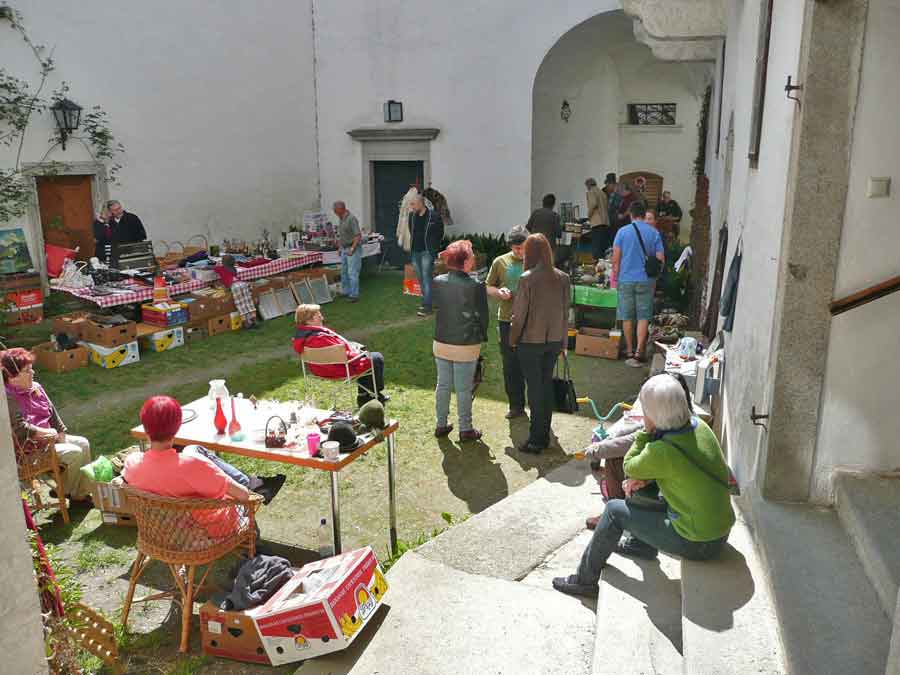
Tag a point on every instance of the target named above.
point(288, 432)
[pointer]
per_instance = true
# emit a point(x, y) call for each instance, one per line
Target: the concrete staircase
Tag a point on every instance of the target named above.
point(478, 599)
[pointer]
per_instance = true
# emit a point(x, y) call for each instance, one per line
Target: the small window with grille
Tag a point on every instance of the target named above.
point(651, 114)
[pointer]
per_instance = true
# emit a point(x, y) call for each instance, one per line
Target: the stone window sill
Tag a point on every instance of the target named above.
point(652, 128)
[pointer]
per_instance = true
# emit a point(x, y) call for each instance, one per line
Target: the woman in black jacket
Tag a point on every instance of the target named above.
point(460, 328)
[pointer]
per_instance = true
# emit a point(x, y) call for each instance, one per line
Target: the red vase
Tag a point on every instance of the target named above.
point(235, 426)
point(220, 420)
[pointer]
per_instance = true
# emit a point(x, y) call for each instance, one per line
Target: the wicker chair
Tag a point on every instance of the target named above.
point(34, 461)
point(187, 532)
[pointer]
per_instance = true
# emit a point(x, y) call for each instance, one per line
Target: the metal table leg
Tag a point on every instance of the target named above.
point(392, 488)
point(335, 512)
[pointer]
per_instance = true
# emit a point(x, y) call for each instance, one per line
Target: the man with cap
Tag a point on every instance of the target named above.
point(502, 281)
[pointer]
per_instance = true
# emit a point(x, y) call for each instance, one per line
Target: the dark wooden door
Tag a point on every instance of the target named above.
point(67, 212)
point(392, 181)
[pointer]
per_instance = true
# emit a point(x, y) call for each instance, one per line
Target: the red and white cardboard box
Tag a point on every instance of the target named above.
point(320, 610)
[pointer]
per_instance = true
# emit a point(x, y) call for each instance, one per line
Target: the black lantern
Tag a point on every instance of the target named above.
point(68, 117)
point(565, 112)
point(393, 111)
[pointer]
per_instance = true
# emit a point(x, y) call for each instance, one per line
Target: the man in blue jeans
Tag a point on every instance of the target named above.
point(634, 243)
point(427, 230)
point(350, 239)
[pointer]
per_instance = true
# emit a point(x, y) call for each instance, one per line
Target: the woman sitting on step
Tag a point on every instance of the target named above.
point(682, 455)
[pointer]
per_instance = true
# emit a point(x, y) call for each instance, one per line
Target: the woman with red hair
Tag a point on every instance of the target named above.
point(459, 329)
point(539, 330)
point(163, 471)
point(36, 422)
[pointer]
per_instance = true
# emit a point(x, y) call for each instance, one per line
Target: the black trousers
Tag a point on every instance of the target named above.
point(601, 241)
point(378, 371)
point(537, 362)
point(513, 379)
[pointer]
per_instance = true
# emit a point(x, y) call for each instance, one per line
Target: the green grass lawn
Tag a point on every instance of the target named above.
point(434, 477)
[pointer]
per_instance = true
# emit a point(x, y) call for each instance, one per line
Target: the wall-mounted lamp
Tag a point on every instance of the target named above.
point(393, 111)
point(565, 112)
point(68, 116)
point(788, 88)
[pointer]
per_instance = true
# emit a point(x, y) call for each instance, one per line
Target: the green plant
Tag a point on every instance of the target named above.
point(20, 103)
point(489, 245)
point(410, 545)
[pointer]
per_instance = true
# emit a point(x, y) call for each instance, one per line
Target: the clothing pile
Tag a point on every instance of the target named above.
point(257, 580)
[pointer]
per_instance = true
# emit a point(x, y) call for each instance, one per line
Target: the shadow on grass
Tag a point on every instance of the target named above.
point(473, 475)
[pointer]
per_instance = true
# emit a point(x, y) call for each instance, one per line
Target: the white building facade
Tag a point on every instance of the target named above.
point(239, 119)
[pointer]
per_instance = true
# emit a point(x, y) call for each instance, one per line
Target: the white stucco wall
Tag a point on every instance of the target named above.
point(598, 67)
point(859, 424)
point(467, 68)
point(213, 102)
point(755, 215)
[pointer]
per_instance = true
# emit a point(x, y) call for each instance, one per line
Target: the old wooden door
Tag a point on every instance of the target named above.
point(67, 212)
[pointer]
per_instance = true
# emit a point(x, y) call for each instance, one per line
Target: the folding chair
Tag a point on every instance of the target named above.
point(337, 355)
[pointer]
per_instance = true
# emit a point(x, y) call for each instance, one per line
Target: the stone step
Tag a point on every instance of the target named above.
point(639, 628)
point(729, 622)
point(869, 508)
point(440, 621)
point(512, 537)
point(830, 618)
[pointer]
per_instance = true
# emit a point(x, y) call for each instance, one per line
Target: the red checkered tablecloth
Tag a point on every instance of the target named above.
point(280, 265)
point(130, 297)
point(143, 294)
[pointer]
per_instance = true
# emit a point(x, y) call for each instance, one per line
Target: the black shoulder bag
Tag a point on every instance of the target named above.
point(652, 264)
point(564, 395)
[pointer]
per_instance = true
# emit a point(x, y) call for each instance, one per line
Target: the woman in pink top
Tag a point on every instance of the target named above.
point(163, 471)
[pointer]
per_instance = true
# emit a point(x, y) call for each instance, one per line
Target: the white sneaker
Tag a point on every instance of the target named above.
point(633, 362)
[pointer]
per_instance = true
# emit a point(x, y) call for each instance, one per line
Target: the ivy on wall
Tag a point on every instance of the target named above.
point(21, 103)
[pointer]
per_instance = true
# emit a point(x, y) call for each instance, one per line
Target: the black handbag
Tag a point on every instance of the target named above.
point(652, 264)
point(564, 396)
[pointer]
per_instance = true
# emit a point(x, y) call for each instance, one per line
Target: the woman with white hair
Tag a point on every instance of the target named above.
point(681, 454)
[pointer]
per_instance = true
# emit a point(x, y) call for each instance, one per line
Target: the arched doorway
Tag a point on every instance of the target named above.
point(583, 119)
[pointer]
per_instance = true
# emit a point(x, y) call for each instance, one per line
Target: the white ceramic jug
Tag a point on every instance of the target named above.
point(217, 389)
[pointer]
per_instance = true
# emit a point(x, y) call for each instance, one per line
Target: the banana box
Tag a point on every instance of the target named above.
point(114, 357)
point(321, 609)
point(164, 340)
point(237, 321)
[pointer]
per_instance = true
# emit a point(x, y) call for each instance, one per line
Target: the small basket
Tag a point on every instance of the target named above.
point(189, 249)
point(276, 437)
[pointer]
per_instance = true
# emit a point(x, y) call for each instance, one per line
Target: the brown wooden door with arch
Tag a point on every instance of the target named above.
point(66, 206)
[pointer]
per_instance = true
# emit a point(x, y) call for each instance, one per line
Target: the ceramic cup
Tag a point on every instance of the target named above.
point(331, 450)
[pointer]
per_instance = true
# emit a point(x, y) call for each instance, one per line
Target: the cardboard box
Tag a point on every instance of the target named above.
point(164, 317)
point(218, 325)
point(230, 635)
point(237, 321)
point(598, 342)
point(322, 609)
point(60, 362)
point(109, 336)
point(25, 298)
point(110, 500)
point(164, 340)
point(25, 305)
point(16, 316)
point(195, 333)
point(205, 306)
point(114, 357)
point(70, 324)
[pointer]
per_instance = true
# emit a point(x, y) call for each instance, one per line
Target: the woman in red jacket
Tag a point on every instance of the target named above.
point(312, 333)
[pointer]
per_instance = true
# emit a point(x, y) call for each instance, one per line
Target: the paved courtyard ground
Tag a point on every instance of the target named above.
point(436, 479)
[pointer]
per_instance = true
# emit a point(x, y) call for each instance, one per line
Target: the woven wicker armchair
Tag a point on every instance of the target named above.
point(187, 532)
point(35, 461)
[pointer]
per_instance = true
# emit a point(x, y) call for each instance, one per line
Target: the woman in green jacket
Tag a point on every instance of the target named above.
point(681, 454)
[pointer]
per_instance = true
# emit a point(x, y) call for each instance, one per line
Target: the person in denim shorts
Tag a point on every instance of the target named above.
point(634, 286)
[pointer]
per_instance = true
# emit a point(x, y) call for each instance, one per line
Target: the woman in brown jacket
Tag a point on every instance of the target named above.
point(538, 333)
